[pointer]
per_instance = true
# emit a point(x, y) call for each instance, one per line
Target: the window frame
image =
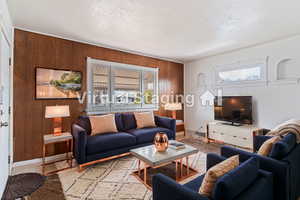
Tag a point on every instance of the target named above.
point(114, 107)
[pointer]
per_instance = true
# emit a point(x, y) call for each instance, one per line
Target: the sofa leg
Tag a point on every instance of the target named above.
point(80, 168)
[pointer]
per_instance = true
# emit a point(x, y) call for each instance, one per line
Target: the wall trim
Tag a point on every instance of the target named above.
point(39, 160)
point(102, 45)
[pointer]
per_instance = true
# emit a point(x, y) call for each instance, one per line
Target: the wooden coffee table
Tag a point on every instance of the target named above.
point(169, 163)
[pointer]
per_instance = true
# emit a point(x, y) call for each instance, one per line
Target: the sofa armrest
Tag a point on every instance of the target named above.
point(168, 123)
point(80, 141)
point(258, 141)
point(212, 159)
point(166, 188)
point(227, 151)
point(293, 159)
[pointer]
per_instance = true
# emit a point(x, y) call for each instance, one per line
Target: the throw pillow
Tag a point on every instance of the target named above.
point(281, 148)
point(103, 124)
point(214, 173)
point(266, 147)
point(144, 119)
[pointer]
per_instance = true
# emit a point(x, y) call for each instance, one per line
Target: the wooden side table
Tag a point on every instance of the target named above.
point(52, 139)
point(180, 127)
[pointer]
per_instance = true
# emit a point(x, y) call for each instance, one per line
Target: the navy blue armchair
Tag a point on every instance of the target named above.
point(283, 161)
point(90, 149)
point(246, 182)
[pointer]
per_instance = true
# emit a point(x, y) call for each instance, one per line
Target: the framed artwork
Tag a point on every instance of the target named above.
point(57, 84)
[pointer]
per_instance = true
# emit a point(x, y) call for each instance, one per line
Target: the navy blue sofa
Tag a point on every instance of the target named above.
point(283, 161)
point(89, 148)
point(246, 182)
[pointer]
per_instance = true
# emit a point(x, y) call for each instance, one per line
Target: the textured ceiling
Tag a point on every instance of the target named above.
point(176, 29)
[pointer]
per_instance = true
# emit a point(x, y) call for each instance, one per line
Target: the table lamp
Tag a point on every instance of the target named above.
point(173, 107)
point(57, 112)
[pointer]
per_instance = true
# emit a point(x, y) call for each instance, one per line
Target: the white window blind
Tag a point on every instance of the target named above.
point(115, 87)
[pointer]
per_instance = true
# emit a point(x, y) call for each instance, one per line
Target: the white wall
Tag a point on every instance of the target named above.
point(5, 20)
point(272, 103)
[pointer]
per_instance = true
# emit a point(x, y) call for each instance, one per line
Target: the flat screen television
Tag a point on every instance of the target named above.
point(236, 110)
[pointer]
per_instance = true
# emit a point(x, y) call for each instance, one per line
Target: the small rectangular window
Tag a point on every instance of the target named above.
point(247, 72)
point(244, 74)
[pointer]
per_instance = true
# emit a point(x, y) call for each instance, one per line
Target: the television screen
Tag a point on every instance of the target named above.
point(234, 109)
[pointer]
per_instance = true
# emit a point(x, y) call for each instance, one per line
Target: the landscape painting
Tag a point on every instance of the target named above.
point(57, 84)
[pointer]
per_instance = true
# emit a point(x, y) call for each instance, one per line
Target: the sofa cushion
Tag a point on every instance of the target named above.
point(119, 122)
point(234, 182)
point(281, 148)
point(145, 135)
point(128, 121)
point(266, 147)
point(103, 124)
point(144, 119)
point(109, 141)
point(84, 122)
point(195, 183)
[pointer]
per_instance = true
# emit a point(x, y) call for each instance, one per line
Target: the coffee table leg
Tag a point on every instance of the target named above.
point(187, 166)
point(181, 168)
point(139, 167)
point(176, 169)
point(145, 174)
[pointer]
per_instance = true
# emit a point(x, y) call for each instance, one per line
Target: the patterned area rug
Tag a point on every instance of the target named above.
point(113, 180)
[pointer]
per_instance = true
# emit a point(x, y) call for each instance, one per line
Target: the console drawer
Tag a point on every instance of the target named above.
point(239, 141)
point(235, 135)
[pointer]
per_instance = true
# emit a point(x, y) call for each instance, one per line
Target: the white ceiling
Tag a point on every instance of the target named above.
point(180, 30)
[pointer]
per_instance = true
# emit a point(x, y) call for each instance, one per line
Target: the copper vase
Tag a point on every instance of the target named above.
point(161, 142)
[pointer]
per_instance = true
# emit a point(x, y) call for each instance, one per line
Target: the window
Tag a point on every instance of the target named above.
point(114, 87)
point(241, 73)
point(246, 74)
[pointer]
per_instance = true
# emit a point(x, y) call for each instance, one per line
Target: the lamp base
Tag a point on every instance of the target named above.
point(57, 129)
point(174, 114)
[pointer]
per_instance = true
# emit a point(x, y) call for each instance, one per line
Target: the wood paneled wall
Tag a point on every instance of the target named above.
point(33, 50)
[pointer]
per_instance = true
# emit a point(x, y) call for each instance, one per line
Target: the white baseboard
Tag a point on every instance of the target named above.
point(39, 160)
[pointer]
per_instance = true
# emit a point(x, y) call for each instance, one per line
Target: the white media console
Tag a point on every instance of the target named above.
point(241, 136)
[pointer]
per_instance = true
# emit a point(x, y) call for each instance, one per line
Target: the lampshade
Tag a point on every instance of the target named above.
point(57, 111)
point(173, 106)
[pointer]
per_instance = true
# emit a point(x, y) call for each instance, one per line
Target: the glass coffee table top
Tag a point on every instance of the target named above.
point(153, 158)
